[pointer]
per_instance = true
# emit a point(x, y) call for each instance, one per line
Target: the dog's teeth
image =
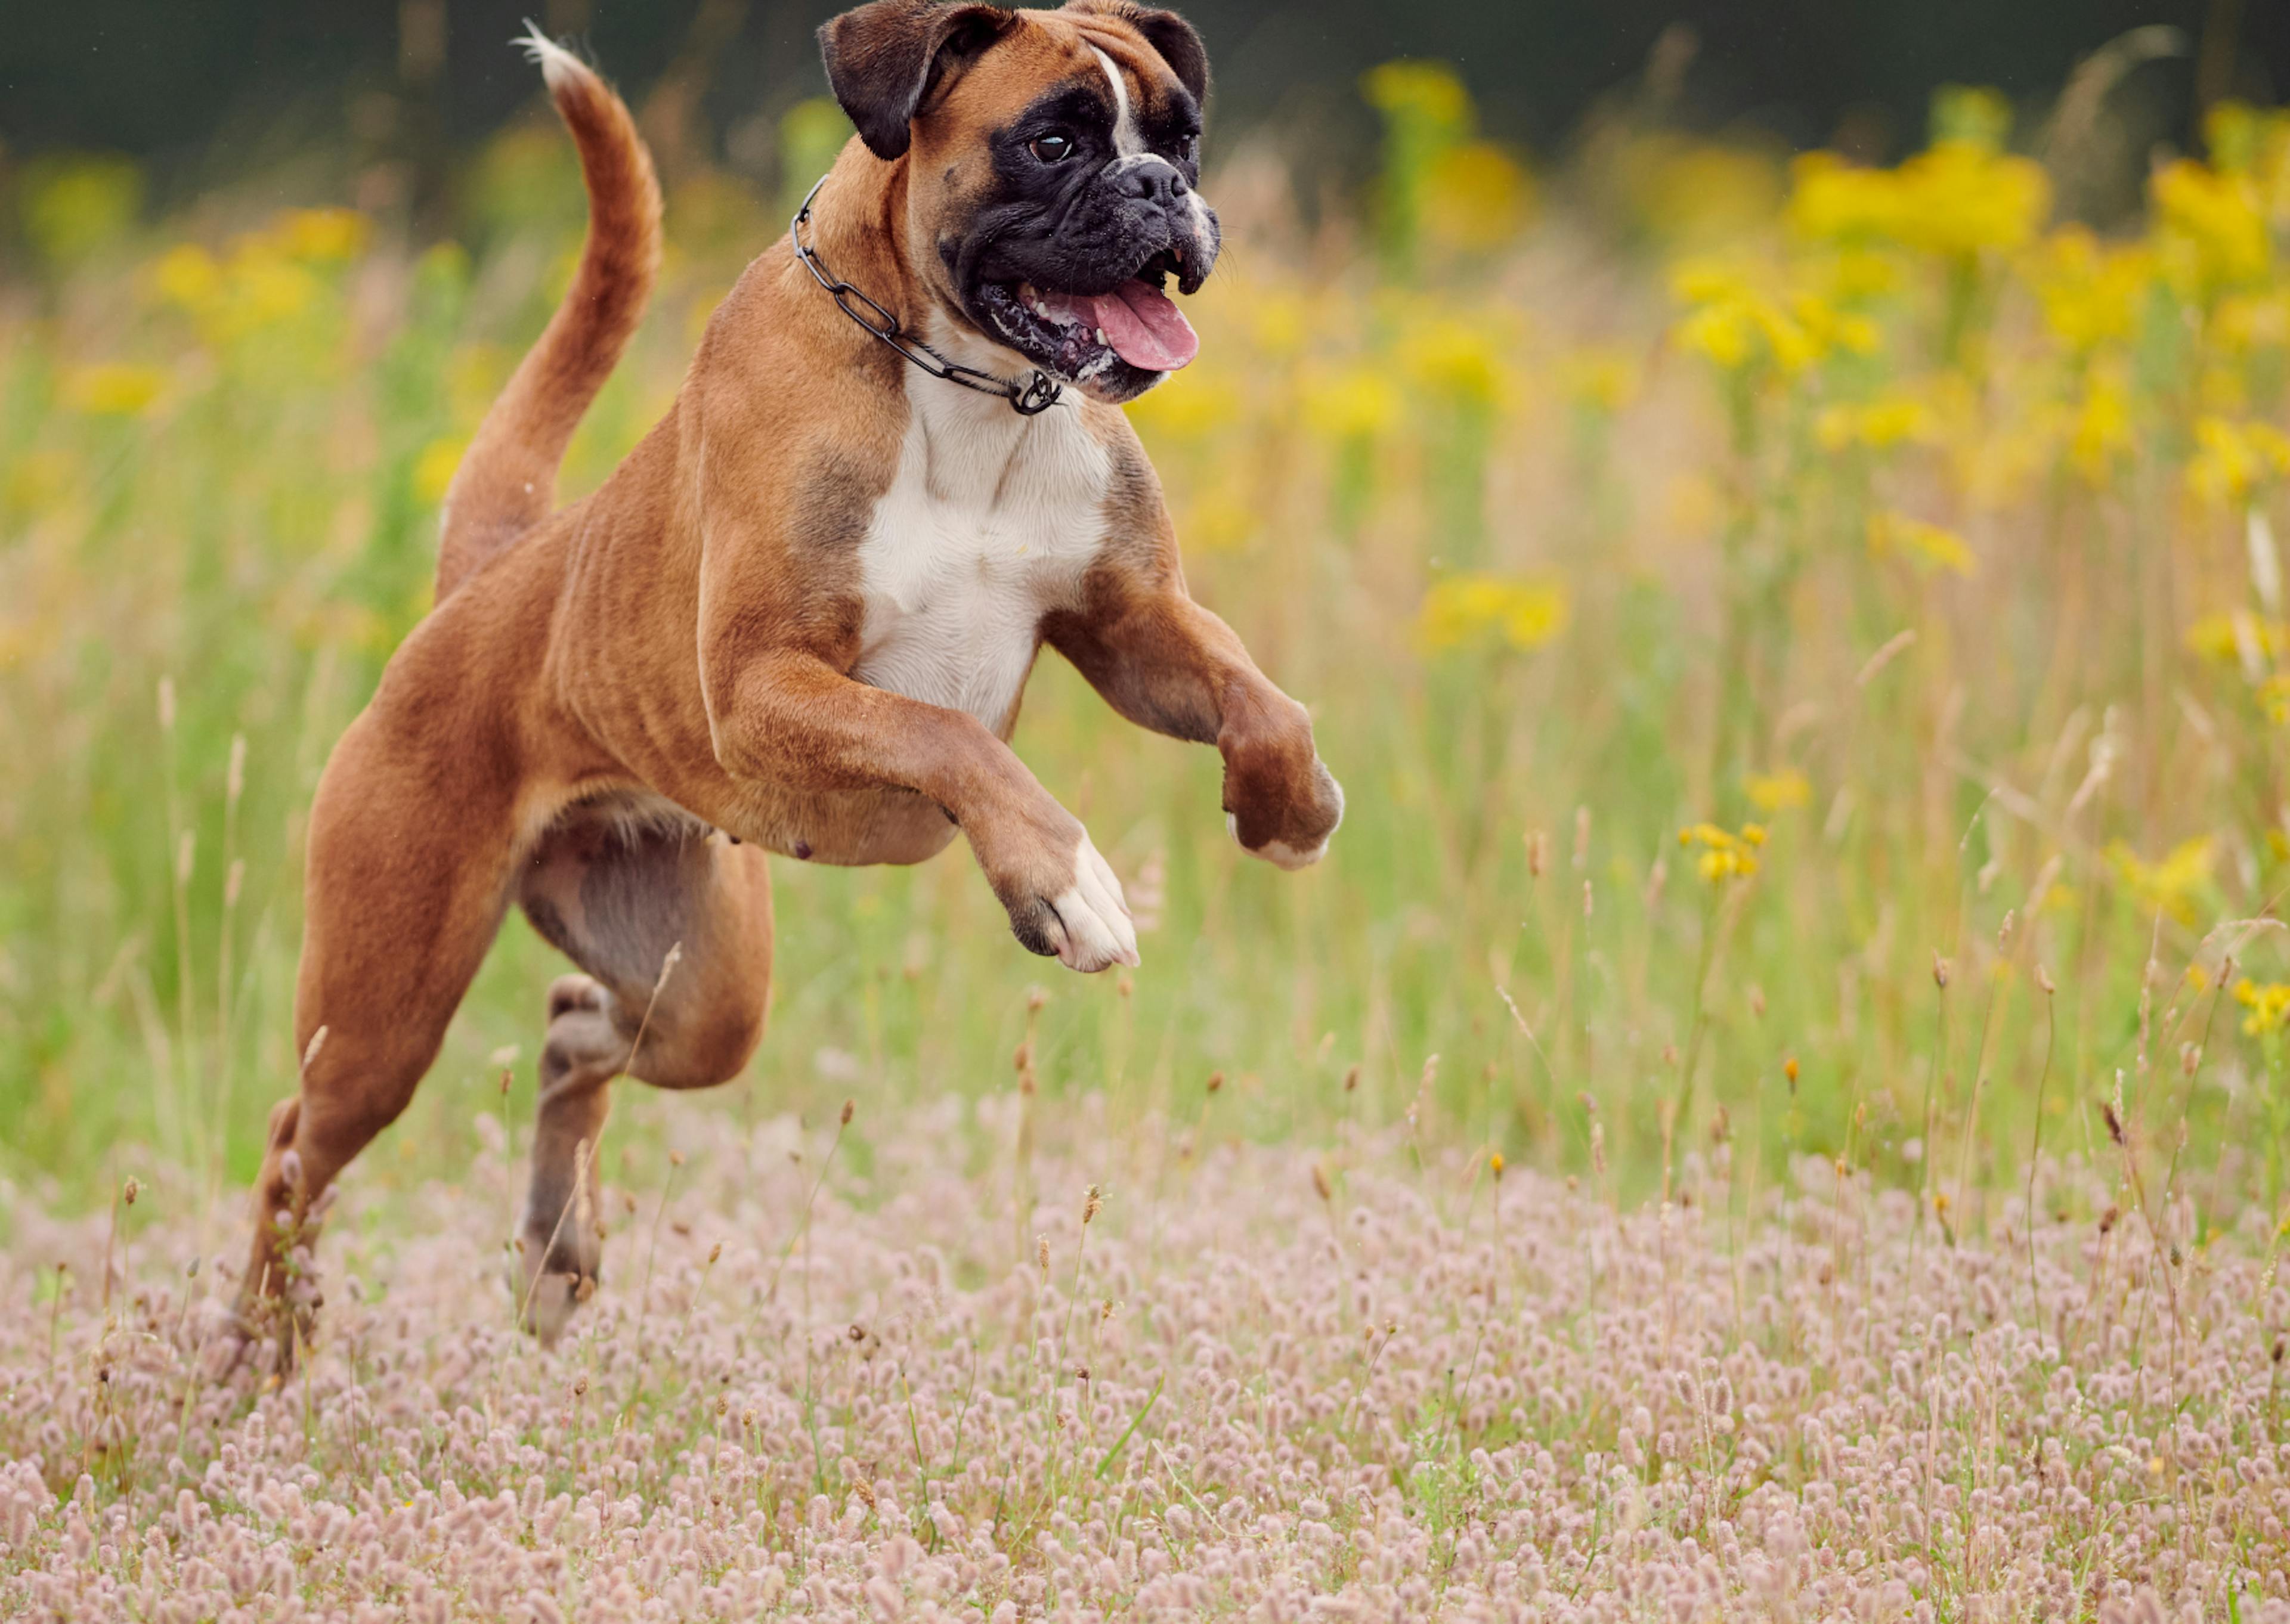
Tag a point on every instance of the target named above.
point(1101, 335)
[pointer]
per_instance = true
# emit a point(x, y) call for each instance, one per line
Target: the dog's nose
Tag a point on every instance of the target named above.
point(1150, 179)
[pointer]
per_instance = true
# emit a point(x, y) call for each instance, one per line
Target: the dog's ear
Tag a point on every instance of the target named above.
point(1167, 32)
point(885, 59)
point(1180, 46)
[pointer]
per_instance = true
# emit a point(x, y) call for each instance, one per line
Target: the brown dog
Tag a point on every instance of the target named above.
point(798, 617)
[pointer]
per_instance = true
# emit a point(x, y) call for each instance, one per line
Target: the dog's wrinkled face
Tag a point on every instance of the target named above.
point(1089, 215)
point(1053, 158)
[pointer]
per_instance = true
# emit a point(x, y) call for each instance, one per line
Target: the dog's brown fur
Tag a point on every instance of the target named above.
point(605, 695)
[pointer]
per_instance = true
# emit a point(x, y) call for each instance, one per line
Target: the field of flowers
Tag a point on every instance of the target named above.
point(1779, 1098)
point(1251, 1383)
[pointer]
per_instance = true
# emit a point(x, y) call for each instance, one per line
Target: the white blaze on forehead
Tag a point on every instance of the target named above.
point(1128, 142)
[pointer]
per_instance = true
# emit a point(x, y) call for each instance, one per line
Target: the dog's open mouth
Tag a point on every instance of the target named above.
point(1078, 336)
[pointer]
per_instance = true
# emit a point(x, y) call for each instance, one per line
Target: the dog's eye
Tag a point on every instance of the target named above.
point(1054, 148)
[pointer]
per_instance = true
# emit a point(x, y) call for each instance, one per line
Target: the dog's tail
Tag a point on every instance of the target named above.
point(506, 482)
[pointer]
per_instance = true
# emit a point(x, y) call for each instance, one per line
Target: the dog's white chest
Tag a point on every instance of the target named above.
point(988, 526)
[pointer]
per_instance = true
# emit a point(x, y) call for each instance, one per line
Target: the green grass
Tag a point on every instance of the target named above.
point(253, 526)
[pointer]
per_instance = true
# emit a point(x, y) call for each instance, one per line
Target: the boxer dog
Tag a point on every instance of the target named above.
point(798, 618)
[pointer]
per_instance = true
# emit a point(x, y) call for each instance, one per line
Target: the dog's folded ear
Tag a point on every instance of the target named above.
point(884, 60)
point(1167, 32)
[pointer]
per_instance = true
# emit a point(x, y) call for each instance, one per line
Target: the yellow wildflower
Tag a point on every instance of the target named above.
point(1772, 792)
point(1221, 510)
point(1958, 198)
point(2233, 460)
point(1856, 273)
point(2268, 1004)
point(72, 205)
point(1894, 418)
point(113, 388)
point(1725, 855)
point(1477, 197)
point(1995, 470)
point(2247, 141)
point(321, 234)
point(2209, 226)
point(1927, 544)
point(434, 468)
point(1279, 320)
point(262, 281)
point(1734, 320)
point(1722, 333)
point(475, 376)
point(1998, 431)
point(2246, 322)
point(1831, 199)
point(1979, 114)
point(2090, 293)
point(1686, 191)
point(1827, 327)
point(1468, 608)
point(1352, 405)
point(1456, 360)
point(1600, 377)
point(2100, 435)
point(186, 275)
point(1709, 281)
point(1427, 91)
point(2221, 389)
point(1193, 406)
point(2170, 884)
point(270, 286)
point(40, 481)
point(2238, 637)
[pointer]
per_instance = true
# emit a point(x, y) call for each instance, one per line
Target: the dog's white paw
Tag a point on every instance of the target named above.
point(1279, 853)
point(553, 1300)
point(1093, 927)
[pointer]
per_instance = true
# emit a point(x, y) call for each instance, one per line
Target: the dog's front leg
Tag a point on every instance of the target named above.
point(786, 717)
point(1167, 664)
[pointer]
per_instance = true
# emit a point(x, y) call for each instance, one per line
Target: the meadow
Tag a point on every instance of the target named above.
point(1776, 1101)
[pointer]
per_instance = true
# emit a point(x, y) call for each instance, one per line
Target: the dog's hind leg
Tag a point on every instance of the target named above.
point(410, 850)
point(673, 926)
point(560, 1244)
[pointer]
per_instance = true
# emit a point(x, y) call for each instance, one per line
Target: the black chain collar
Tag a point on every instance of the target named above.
point(1026, 399)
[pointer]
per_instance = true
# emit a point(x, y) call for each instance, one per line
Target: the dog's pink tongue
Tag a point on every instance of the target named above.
point(1144, 327)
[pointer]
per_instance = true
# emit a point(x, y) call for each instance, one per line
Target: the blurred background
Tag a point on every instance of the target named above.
point(1775, 508)
point(195, 93)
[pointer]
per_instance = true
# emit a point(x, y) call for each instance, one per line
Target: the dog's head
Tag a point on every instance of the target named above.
point(1052, 161)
